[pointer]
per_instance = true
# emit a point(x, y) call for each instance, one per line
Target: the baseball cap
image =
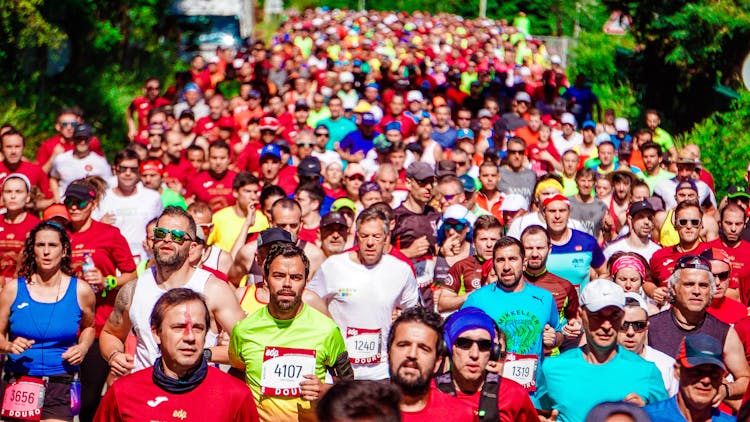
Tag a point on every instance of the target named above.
point(77, 191)
point(414, 95)
point(56, 210)
point(268, 123)
point(602, 411)
point(191, 86)
point(738, 191)
point(556, 197)
point(226, 122)
point(368, 186)
point(419, 170)
point(309, 167)
point(555, 59)
point(635, 298)
point(568, 119)
point(468, 182)
point(368, 118)
point(716, 254)
point(332, 218)
point(19, 176)
point(301, 105)
point(394, 125)
point(464, 134)
point(622, 125)
point(346, 77)
point(686, 184)
point(700, 349)
point(445, 168)
point(254, 93)
point(465, 319)
point(83, 131)
point(589, 124)
point(600, 293)
point(343, 203)
point(639, 206)
point(354, 168)
point(271, 149)
point(514, 202)
point(523, 96)
point(274, 234)
point(152, 165)
point(484, 113)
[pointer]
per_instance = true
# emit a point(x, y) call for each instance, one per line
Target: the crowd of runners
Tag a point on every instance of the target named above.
point(372, 216)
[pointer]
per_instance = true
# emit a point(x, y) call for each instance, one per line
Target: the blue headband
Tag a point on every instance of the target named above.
point(464, 320)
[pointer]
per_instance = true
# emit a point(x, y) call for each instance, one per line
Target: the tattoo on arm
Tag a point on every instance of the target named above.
point(122, 303)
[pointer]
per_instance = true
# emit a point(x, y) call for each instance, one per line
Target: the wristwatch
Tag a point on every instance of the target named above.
point(207, 354)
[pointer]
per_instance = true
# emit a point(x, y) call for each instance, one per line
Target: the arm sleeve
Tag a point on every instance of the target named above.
point(572, 304)
point(235, 354)
point(597, 256)
point(554, 315)
point(410, 293)
point(338, 359)
point(318, 283)
point(453, 280)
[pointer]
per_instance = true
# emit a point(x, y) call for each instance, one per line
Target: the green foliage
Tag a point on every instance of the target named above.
point(724, 143)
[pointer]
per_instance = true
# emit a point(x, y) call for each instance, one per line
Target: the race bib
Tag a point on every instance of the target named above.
point(363, 345)
point(23, 399)
point(521, 369)
point(283, 369)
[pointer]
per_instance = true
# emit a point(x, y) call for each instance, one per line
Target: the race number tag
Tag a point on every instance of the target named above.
point(23, 399)
point(363, 345)
point(521, 369)
point(283, 369)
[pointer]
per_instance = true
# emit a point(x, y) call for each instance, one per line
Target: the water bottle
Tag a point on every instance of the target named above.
point(88, 265)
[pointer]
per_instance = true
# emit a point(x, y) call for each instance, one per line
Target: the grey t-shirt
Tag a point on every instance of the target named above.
point(589, 214)
point(521, 183)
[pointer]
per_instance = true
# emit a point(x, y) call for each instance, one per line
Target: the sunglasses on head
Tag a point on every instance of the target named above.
point(693, 262)
point(79, 203)
point(356, 177)
point(178, 236)
point(637, 326)
point(464, 343)
point(683, 222)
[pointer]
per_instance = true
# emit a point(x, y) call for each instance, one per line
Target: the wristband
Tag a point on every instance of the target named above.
point(110, 282)
point(111, 355)
point(726, 389)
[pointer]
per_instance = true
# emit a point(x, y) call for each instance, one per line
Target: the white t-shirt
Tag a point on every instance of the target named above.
point(622, 245)
point(519, 224)
point(666, 190)
point(327, 157)
point(665, 363)
point(132, 213)
point(563, 145)
point(66, 168)
point(361, 300)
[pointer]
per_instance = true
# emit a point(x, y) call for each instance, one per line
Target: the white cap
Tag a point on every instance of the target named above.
point(622, 125)
point(555, 59)
point(345, 77)
point(414, 95)
point(514, 202)
point(525, 71)
point(638, 298)
point(459, 212)
point(568, 118)
point(603, 137)
point(349, 103)
point(600, 293)
point(523, 96)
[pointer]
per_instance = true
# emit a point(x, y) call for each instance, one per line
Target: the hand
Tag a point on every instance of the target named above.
point(549, 336)
point(496, 367)
point(720, 396)
point(660, 296)
point(108, 218)
point(452, 245)
point(607, 222)
point(311, 388)
point(551, 418)
point(132, 133)
point(19, 345)
point(359, 156)
point(250, 219)
point(57, 150)
point(635, 399)
point(121, 364)
point(572, 329)
point(544, 155)
point(418, 248)
point(75, 354)
point(94, 278)
point(223, 339)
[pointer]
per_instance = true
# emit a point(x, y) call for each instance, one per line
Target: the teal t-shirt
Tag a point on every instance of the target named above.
point(573, 386)
point(337, 129)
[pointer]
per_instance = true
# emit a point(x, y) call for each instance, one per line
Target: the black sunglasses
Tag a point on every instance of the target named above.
point(464, 343)
point(683, 222)
point(722, 276)
point(79, 203)
point(125, 169)
point(638, 326)
point(516, 151)
point(178, 236)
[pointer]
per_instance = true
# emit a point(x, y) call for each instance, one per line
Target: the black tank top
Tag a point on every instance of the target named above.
point(665, 335)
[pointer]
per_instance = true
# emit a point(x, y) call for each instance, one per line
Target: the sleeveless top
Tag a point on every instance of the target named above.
point(250, 301)
point(667, 335)
point(668, 234)
point(53, 326)
point(212, 261)
point(144, 298)
point(428, 155)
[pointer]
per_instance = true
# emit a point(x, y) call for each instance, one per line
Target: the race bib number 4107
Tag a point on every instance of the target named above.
point(283, 370)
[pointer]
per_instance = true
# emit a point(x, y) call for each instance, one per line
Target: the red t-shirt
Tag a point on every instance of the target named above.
point(220, 397)
point(37, 176)
point(309, 235)
point(663, 261)
point(12, 239)
point(249, 158)
point(441, 406)
point(728, 311)
point(110, 252)
point(740, 258)
point(179, 172)
point(217, 193)
point(206, 126)
point(467, 273)
point(513, 402)
point(45, 149)
point(288, 179)
point(143, 106)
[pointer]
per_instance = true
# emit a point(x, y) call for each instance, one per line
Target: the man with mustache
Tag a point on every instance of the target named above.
point(361, 289)
point(415, 342)
point(286, 347)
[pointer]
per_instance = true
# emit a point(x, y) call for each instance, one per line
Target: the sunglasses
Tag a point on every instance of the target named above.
point(464, 343)
point(66, 124)
point(306, 144)
point(460, 163)
point(322, 134)
point(722, 276)
point(178, 236)
point(455, 225)
point(356, 177)
point(152, 88)
point(637, 326)
point(79, 203)
point(125, 169)
point(515, 151)
point(683, 222)
point(206, 228)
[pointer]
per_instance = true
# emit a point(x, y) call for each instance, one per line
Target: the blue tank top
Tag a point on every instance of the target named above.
point(53, 327)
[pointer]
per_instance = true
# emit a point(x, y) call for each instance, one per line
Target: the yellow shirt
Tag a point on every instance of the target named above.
point(227, 225)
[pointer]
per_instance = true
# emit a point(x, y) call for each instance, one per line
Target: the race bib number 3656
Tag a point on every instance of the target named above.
point(283, 370)
point(363, 345)
point(23, 399)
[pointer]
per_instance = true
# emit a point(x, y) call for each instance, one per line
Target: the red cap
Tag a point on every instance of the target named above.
point(226, 122)
point(717, 254)
point(152, 165)
point(56, 210)
point(556, 197)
